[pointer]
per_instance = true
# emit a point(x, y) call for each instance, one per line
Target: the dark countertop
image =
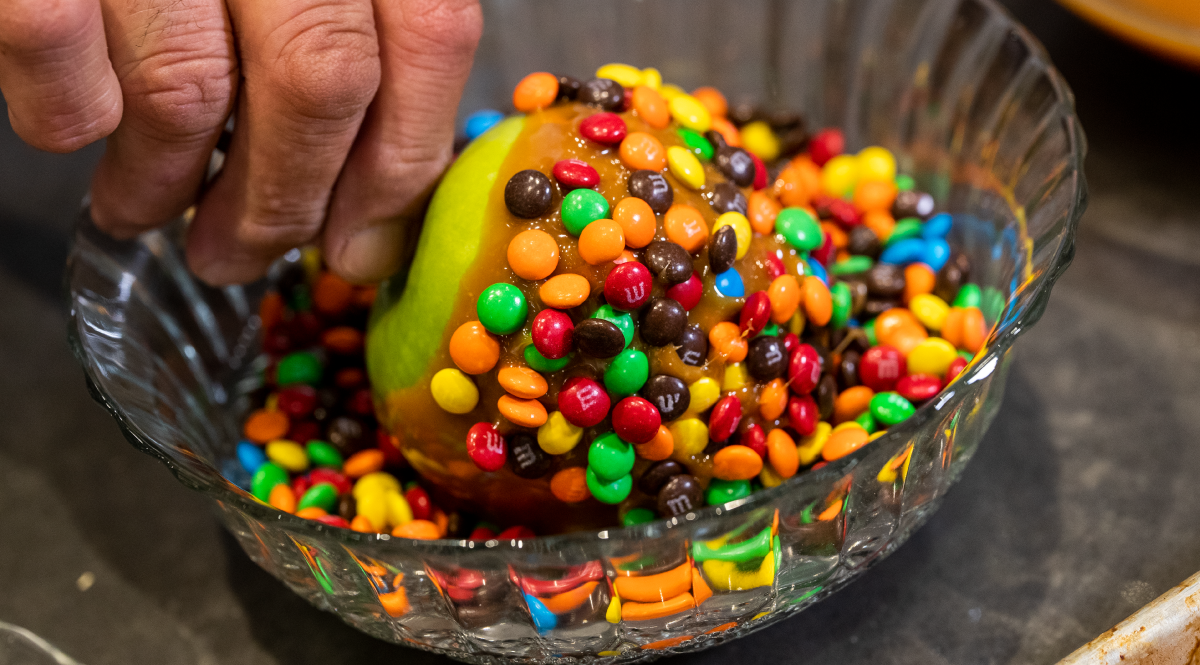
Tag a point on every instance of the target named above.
point(1080, 506)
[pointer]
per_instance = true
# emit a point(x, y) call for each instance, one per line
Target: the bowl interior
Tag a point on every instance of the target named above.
point(963, 96)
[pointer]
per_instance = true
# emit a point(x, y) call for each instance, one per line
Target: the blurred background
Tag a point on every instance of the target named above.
point(1079, 508)
point(1170, 28)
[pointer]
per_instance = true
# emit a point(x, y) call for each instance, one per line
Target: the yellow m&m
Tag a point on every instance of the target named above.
point(839, 175)
point(741, 229)
point(557, 436)
point(288, 454)
point(684, 166)
point(454, 391)
point(930, 310)
point(758, 138)
point(688, 111)
point(691, 437)
point(876, 164)
point(703, 394)
point(932, 355)
point(627, 75)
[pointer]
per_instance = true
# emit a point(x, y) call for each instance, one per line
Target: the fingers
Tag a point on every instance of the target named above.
point(426, 49)
point(178, 72)
point(310, 69)
point(61, 91)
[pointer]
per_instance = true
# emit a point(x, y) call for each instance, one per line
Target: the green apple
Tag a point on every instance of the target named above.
point(413, 310)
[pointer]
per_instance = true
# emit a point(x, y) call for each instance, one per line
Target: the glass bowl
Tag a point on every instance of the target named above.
point(963, 95)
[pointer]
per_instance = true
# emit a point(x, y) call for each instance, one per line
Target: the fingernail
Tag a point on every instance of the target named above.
point(371, 254)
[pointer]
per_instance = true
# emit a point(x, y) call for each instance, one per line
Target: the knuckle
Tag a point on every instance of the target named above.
point(418, 162)
point(56, 142)
point(45, 44)
point(39, 27)
point(328, 64)
point(182, 95)
point(68, 131)
point(277, 223)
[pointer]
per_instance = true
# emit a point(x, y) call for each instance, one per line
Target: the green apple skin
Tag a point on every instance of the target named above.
point(413, 309)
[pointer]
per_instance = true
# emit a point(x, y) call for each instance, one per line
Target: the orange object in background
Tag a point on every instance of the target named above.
point(1170, 28)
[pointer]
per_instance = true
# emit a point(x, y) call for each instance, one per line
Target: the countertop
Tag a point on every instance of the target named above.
point(1080, 507)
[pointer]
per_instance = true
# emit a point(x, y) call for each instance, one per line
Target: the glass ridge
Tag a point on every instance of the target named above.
point(962, 94)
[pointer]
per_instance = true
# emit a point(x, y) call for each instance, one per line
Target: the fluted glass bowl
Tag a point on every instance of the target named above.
point(962, 94)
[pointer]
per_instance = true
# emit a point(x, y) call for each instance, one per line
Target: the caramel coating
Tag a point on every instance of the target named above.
point(433, 440)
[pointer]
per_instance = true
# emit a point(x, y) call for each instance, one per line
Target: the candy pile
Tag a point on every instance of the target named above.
point(757, 302)
point(317, 393)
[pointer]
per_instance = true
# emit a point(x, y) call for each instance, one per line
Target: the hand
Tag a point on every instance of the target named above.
point(344, 113)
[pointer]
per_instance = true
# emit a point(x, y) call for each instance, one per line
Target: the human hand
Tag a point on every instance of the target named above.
point(344, 116)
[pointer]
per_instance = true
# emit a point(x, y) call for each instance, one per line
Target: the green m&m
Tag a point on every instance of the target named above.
point(321, 495)
point(627, 373)
point(610, 458)
point(724, 491)
point(582, 207)
point(622, 320)
point(540, 363)
point(852, 265)
point(502, 308)
point(609, 492)
point(909, 227)
point(842, 299)
point(800, 229)
point(637, 516)
point(970, 295)
point(696, 142)
point(268, 475)
point(868, 422)
point(299, 367)
point(321, 453)
point(890, 408)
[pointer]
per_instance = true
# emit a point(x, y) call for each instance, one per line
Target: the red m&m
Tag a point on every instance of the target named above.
point(791, 342)
point(760, 172)
point(881, 367)
point(756, 313)
point(687, 293)
point(628, 285)
point(774, 267)
point(636, 420)
point(804, 369)
point(576, 174)
point(486, 447)
point(583, 402)
point(826, 252)
point(419, 503)
point(827, 144)
point(297, 401)
point(803, 413)
point(724, 419)
point(918, 387)
point(335, 478)
point(956, 367)
point(755, 439)
point(552, 333)
point(334, 520)
point(607, 128)
point(515, 533)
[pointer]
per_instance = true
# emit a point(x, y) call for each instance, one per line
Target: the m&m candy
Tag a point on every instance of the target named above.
point(647, 300)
